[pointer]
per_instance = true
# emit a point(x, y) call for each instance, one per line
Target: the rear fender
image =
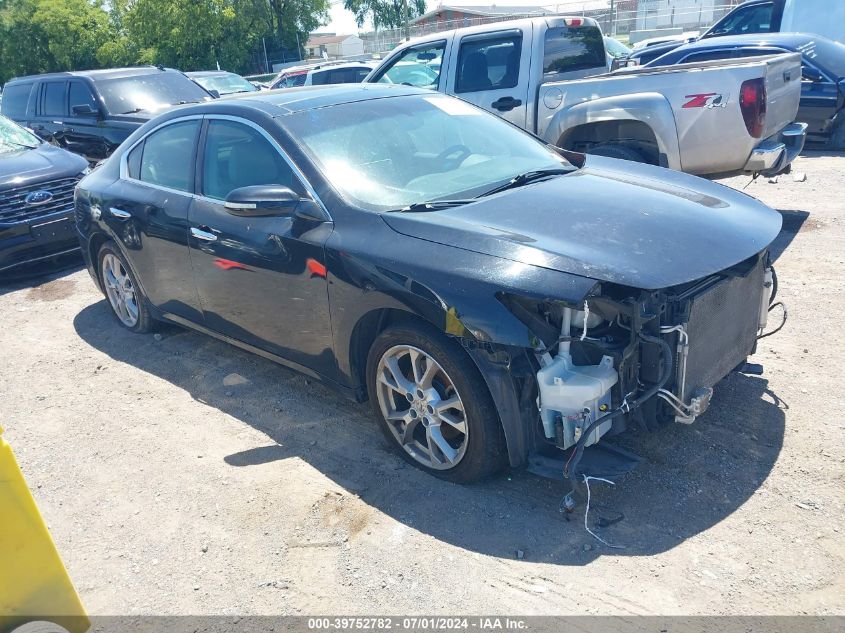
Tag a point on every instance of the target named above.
point(651, 109)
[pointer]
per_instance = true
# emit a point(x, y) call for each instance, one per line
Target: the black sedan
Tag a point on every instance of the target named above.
point(495, 300)
point(822, 105)
point(36, 198)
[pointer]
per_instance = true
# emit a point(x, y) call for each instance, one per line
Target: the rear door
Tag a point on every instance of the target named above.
point(147, 211)
point(51, 111)
point(491, 71)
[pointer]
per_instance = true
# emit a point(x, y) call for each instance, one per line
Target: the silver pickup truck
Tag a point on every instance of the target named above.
point(713, 118)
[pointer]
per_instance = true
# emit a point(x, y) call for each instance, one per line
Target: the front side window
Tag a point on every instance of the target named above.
point(418, 66)
point(80, 95)
point(15, 99)
point(55, 99)
point(489, 64)
point(236, 155)
point(386, 154)
point(167, 158)
point(568, 49)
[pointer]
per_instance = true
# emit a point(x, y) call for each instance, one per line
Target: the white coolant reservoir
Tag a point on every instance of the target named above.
point(576, 395)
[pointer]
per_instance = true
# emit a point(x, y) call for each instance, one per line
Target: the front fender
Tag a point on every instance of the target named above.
point(650, 108)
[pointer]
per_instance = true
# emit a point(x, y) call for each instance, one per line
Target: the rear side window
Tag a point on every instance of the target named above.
point(757, 19)
point(321, 77)
point(238, 156)
point(489, 64)
point(167, 159)
point(55, 99)
point(15, 98)
point(567, 49)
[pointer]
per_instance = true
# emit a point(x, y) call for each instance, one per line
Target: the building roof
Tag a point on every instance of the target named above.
point(322, 40)
point(490, 11)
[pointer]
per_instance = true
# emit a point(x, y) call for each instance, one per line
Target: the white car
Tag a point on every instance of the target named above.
point(322, 73)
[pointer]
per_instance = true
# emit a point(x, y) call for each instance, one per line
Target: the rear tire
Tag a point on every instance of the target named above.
point(127, 301)
point(613, 150)
point(414, 374)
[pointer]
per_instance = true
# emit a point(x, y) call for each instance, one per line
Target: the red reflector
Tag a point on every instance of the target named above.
point(752, 103)
point(316, 268)
point(573, 22)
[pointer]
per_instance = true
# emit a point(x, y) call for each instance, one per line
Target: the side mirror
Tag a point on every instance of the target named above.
point(261, 201)
point(214, 93)
point(83, 109)
point(811, 74)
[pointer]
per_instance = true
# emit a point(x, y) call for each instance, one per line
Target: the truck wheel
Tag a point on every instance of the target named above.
point(433, 404)
point(127, 300)
point(612, 150)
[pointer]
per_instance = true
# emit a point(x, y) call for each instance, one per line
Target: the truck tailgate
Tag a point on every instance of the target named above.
point(783, 91)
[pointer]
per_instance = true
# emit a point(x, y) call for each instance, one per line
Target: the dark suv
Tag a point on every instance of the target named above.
point(92, 112)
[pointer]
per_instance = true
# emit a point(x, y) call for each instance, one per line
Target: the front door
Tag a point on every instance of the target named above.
point(491, 71)
point(261, 280)
point(83, 130)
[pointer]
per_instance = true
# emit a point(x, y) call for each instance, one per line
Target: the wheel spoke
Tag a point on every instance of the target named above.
point(445, 409)
point(408, 431)
point(425, 381)
point(111, 280)
point(435, 438)
point(132, 308)
point(401, 384)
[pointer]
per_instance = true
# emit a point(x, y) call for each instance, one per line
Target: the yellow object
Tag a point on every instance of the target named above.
point(34, 584)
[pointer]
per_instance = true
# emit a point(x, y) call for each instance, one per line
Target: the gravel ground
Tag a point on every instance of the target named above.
point(179, 475)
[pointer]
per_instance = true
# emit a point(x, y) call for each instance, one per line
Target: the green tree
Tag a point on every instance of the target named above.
point(384, 14)
point(39, 36)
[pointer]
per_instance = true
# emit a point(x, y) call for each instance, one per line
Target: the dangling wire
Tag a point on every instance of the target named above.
point(587, 479)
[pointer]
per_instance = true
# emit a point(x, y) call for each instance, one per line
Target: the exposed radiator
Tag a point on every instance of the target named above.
point(722, 328)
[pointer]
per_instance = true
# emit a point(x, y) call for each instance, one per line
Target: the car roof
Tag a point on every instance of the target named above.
point(552, 21)
point(292, 100)
point(785, 40)
point(107, 73)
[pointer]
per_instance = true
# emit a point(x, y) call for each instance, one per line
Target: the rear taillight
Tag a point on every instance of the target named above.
point(752, 103)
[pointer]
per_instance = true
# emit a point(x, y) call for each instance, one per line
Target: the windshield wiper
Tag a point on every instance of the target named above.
point(434, 205)
point(528, 177)
point(16, 144)
point(135, 111)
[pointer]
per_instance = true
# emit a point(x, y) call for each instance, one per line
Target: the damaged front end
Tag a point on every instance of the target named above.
point(626, 356)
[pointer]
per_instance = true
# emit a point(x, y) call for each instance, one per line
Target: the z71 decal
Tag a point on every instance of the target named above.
point(709, 100)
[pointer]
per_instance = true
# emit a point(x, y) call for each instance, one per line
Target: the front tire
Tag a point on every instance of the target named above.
point(433, 404)
point(126, 299)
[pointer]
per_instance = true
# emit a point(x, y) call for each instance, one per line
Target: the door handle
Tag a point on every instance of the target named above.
point(120, 213)
point(505, 104)
point(205, 236)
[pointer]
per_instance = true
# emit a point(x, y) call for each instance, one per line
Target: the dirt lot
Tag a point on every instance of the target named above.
point(182, 476)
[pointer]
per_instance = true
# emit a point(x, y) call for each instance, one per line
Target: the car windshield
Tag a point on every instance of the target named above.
point(149, 92)
point(13, 137)
point(615, 48)
point(388, 154)
point(225, 84)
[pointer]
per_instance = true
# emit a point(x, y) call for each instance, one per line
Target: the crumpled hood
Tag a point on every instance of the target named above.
point(612, 221)
point(45, 162)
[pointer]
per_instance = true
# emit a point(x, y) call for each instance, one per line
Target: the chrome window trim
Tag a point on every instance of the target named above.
point(124, 170)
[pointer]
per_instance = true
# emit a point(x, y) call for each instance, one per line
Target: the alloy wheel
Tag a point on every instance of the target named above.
point(120, 291)
point(422, 407)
